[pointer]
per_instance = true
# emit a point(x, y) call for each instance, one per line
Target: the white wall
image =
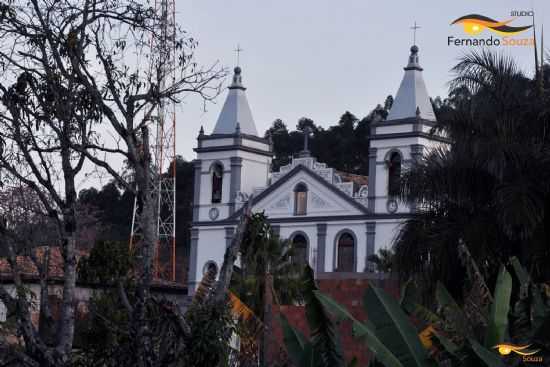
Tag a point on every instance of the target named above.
point(386, 231)
point(211, 247)
point(254, 174)
point(254, 171)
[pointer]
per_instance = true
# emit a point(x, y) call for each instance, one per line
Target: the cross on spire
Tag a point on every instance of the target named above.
point(415, 27)
point(307, 131)
point(238, 51)
point(305, 152)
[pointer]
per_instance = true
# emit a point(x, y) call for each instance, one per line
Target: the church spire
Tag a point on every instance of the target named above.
point(236, 111)
point(412, 99)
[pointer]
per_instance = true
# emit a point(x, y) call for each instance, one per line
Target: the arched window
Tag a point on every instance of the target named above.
point(210, 266)
point(299, 245)
point(300, 199)
point(217, 182)
point(345, 253)
point(394, 174)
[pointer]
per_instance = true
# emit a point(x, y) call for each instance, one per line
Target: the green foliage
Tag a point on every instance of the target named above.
point(383, 260)
point(114, 207)
point(211, 326)
point(389, 334)
point(394, 329)
point(364, 331)
point(323, 349)
point(108, 262)
point(455, 318)
point(498, 316)
point(465, 346)
point(263, 254)
point(411, 304)
point(487, 356)
point(324, 338)
point(102, 336)
point(294, 340)
point(394, 340)
point(530, 314)
point(489, 191)
point(201, 337)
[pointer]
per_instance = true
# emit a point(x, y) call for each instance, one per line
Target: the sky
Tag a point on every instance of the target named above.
point(320, 58)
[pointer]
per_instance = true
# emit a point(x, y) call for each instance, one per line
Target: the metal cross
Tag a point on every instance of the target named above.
point(238, 50)
point(307, 131)
point(414, 28)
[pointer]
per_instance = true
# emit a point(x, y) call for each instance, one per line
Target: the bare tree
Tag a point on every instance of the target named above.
point(28, 229)
point(82, 81)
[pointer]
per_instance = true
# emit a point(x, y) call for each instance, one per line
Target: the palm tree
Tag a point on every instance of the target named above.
point(267, 274)
point(383, 260)
point(491, 189)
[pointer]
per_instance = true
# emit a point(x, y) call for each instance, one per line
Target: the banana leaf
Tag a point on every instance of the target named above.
point(362, 331)
point(324, 337)
point(452, 313)
point(498, 316)
point(539, 309)
point(447, 343)
point(485, 355)
point(394, 329)
point(409, 303)
point(294, 340)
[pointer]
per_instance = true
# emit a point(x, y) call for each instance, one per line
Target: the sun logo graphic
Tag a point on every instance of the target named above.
point(506, 349)
point(527, 354)
point(474, 24)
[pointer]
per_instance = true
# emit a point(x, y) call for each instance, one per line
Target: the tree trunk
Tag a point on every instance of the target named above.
point(268, 313)
point(146, 251)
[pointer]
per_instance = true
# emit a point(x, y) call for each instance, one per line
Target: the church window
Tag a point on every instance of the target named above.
point(300, 199)
point(299, 245)
point(394, 174)
point(210, 266)
point(217, 183)
point(346, 253)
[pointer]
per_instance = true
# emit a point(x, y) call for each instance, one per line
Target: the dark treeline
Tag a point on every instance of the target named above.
point(344, 145)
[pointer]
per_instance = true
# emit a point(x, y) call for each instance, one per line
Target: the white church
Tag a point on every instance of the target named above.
point(334, 223)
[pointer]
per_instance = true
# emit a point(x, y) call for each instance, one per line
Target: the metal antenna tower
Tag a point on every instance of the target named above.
point(162, 68)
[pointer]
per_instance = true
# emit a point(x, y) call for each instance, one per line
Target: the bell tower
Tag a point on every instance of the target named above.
point(396, 143)
point(232, 161)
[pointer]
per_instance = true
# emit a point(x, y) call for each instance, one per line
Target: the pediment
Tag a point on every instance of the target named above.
point(323, 198)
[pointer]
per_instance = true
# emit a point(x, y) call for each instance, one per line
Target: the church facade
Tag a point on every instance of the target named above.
point(334, 219)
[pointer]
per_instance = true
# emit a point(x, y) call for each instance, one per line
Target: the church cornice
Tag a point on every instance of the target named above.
point(313, 219)
point(225, 148)
point(412, 134)
point(226, 136)
point(405, 121)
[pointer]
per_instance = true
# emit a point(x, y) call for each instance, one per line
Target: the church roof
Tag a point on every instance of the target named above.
point(358, 180)
point(412, 99)
point(236, 113)
point(297, 168)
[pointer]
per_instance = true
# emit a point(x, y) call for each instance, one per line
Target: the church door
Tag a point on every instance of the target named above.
point(346, 253)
